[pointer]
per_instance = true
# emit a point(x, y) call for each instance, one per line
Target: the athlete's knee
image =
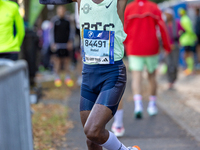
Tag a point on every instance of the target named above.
point(92, 132)
point(90, 143)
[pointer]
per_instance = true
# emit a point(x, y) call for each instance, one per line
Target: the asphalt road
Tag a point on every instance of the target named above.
point(160, 132)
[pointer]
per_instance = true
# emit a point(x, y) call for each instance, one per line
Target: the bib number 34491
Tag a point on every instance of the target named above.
point(98, 46)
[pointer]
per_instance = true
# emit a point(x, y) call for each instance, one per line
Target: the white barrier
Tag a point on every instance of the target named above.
point(15, 113)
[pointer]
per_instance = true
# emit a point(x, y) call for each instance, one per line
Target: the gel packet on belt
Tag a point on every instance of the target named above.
point(55, 2)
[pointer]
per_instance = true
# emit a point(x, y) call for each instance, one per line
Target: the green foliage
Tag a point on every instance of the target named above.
point(70, 7)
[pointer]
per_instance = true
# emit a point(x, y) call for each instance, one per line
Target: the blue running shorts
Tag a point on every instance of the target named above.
point(102, 84)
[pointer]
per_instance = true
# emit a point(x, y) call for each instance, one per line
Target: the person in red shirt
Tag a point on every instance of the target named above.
point(141, 20)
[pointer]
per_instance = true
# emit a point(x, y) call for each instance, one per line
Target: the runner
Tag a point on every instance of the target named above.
point(61, 45)
point(187, 40)
point(104, 74)
point(142, 47)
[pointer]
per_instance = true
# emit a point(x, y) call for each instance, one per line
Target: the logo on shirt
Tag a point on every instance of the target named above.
point(109, 5)
point(105, 60)
point(86, 8)
point(99, 35)
point(90, 34)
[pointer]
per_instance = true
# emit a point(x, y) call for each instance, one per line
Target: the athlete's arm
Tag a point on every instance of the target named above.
point(79, 2)
point(121, 5)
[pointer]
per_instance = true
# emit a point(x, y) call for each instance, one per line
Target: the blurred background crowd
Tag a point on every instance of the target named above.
point(50, 42)
point(43, 32)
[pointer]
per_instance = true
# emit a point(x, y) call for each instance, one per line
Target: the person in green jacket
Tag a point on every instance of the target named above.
point(11, 30)
point(187, 40)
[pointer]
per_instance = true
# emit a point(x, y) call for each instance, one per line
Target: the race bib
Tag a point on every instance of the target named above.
point(98, 46)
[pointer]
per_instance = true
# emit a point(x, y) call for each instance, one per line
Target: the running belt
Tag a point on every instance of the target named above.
point(55, 2)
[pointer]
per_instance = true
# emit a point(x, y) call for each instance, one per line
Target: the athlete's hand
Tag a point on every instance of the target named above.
point(70, 45)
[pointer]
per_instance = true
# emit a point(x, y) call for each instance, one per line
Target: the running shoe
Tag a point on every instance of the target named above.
point(58, 83)
point(152, 109)
point(187, 72)
point(138, 112)
point(134, 148)
point(118, 131)
point(69, 82)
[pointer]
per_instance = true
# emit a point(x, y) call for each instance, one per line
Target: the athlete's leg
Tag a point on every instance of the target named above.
point(152, 108)
point(87, 101)
point(95, 129)
point(152, 63)
point(136, 65)
point(84, 115)
point(68, 81)
point(136, 82)
point(189, 59)
point(117, 126)
point(66, 61)
point(152, 83)
point(57, 63)
point(118, 117)
point(136, 89)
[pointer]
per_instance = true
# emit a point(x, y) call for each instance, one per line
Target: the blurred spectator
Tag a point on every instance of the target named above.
point(187, 40)
point(173, 27)
point(197, 31)
point(11, 30)
point(46, 26)
point(142, 47)
point(61, 45)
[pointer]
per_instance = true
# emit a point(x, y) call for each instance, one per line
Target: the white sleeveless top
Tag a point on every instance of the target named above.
point(102, 17)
